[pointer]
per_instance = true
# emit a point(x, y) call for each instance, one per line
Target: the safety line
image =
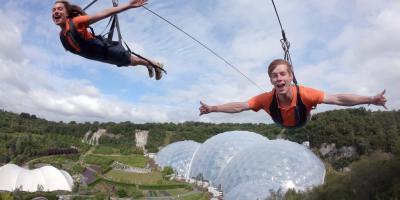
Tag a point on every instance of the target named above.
point(193, 38)
point(285, 44)
point(205, 46)
point(90, 4)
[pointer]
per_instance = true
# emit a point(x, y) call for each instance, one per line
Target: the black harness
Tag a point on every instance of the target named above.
point(97, 48)
point(300, 111)
point(88, 48)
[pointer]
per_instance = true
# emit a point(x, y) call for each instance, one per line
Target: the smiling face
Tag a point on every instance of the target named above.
point(59, 14)
point(281, 78)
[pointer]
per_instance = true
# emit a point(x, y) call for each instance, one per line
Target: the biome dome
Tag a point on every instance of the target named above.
point(246, 165)
point(47, 178)
point(279, 163)
point(216, 152)
point(177, 155)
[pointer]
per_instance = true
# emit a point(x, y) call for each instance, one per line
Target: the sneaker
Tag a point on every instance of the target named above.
point(159, 71)
point(151, 71)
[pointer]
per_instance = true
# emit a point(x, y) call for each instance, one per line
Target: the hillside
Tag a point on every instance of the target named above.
point(372, 172)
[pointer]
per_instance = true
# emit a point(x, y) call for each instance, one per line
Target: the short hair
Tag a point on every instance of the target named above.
point(277, 62)
point(72, 10)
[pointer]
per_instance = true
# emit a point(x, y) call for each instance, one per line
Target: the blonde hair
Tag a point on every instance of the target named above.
point(277, 62)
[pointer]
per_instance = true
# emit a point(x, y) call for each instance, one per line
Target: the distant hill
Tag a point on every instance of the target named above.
point(367, 130)
point(373, 174)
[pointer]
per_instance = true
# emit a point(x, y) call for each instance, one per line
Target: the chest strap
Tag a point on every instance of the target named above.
point(300, 111)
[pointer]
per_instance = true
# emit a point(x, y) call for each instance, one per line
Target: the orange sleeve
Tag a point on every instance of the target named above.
point(311, 97)
point(261, 101)
point(81, 25)
point(81, 21)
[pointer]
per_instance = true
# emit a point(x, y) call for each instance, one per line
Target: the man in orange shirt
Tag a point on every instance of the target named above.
point(75, 37)
point(290, 105)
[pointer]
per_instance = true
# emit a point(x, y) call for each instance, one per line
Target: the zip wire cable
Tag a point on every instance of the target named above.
point(205, 46)
point(193, 38)
point(90, 4)
point(285, 44)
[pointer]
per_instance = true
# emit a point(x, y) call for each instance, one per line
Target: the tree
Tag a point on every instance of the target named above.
point(6, 196)
point(121, 193)
point(167, 170)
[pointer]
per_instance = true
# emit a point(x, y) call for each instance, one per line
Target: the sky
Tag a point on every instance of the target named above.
point(337, 46)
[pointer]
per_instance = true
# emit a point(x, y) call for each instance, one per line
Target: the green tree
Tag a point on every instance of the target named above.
point(167, 170)
point(6, 196)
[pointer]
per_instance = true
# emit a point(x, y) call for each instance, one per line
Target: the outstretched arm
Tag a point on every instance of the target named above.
point(353, 99)
point(114, 10)
point(233, 107)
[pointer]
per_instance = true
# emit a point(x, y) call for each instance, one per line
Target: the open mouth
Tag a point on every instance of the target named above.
point(56, 17)
point(280, 86)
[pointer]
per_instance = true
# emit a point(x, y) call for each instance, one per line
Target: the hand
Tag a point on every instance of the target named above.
point(204, 108)
point(137, 3)
point(379, 99)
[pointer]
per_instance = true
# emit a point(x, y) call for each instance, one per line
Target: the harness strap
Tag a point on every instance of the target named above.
point(115, 25)
point(300, 111)
point(73, 36)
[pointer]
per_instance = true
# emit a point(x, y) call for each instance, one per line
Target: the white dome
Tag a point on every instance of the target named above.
point(177, 155)
point(247, 165)
point(215, 153)
point(251, 190)
point(281, 164)
point(49, 177)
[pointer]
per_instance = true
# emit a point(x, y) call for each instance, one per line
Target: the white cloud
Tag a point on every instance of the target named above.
point(337, 46)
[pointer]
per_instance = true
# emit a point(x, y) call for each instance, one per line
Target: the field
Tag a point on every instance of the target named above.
point(136, 178)
point(106, 180)
point(131, 160)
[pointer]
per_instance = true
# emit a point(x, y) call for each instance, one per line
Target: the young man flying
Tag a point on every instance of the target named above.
point(290, 105)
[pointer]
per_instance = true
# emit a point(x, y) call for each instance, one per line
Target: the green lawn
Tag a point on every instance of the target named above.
point(175, 192)
point(131, 160)
point(105, 150)
point(195, 196)
point(98, 160)
point(142, 179)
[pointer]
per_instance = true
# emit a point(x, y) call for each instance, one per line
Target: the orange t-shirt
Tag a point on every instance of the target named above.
point(310, 97)
point(81, 24)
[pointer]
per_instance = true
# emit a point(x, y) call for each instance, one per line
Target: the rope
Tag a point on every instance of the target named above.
point(193, 38)
point(90, 4)
point(285, 44)
point(205, 46)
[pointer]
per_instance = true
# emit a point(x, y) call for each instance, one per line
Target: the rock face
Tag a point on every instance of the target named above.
point(329, 151)
point(87, 136)
point(141, 138)
point(93, 138)
point(348, 152)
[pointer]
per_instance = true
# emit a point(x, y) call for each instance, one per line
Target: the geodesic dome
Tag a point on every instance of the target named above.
point(246, 165)
point(279, 164)
point(177, 155)
point(47, 178)
point(216, 152)
point(251, 190)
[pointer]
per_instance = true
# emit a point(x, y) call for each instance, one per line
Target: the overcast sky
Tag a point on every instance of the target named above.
point(338, 46)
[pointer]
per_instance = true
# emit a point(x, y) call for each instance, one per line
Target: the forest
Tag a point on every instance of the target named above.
point(375, 172)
